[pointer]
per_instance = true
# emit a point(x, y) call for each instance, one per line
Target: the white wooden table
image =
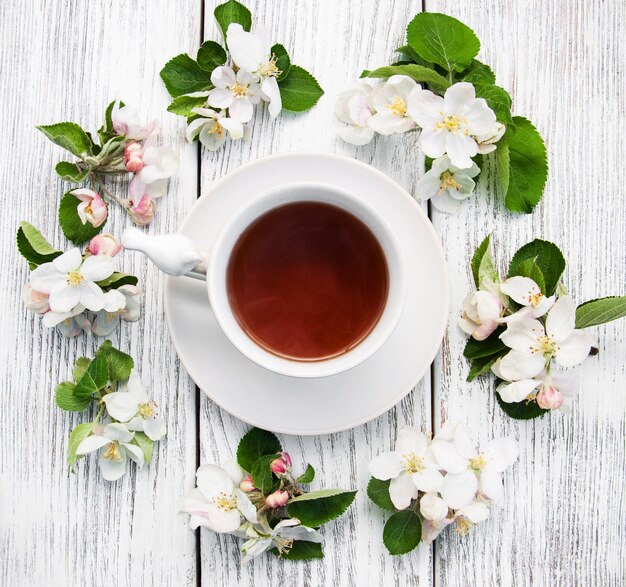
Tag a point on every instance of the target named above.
point(565, 511)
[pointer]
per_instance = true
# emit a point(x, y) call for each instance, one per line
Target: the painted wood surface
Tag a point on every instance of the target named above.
point(563, 518)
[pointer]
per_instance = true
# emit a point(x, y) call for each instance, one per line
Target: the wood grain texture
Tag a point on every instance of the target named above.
point(66, 61)
point(563, 517)
point(562, 522)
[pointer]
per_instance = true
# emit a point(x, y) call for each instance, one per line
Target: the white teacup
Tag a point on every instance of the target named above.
point(177, 255)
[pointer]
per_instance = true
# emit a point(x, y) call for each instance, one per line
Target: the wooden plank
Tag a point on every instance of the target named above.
point(65, 61)
point(562, 520)
point(335, 41)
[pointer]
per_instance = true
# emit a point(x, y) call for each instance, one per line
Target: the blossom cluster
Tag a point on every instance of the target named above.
point(126, 146)
point(528, 330)
point(264, 506)
point(127, 423)
point(79, 292)
point(453, 129)
point(441, 481)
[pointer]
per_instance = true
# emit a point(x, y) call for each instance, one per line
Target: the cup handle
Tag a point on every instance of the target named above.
point(174, 254)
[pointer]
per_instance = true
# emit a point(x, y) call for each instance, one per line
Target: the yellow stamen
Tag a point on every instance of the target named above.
point(450, 123)
point(463, 526)
point(546, 345)
point(216, 129)
point(398, 106)
point(224, 502)
point(74, 279)
point(448, 182)
point(534, 299)
point(147, 410)
point(113, 453)
point(413, 463)
point(477, 463)
point(269, 69)
point(238, 89)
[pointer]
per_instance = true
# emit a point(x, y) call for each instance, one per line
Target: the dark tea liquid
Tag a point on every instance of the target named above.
point(307, 281)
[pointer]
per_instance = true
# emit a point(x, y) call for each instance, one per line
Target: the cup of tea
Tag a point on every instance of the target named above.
point(306, 280)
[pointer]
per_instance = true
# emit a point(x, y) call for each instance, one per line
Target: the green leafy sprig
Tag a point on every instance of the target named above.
point(441, 51)
point(543, 263)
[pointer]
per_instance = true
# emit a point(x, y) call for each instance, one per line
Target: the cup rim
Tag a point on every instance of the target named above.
point(290, 367)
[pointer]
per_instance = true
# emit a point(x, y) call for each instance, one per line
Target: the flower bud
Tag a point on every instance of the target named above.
point(92, 208)
point(549, 398)
point(277, 499)
point(133, 157)
point(247, 485)
point(481, 310)
point(280, 465)
point(104, 244)
point(142, 210)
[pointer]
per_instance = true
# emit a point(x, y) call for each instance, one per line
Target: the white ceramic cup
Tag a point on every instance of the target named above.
point(183, 257)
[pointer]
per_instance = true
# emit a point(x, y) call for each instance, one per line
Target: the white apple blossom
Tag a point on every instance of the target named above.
point(135, 409)
point(70, 323)
point(354, 108)
point(451, 124)
point(115, 442)
point(481, 311)
point(70, 281)
point(35, 301)
point(217, 502)
point(487, 142)
point(239, 92)
point(446, 185)
point(473, 513)
point(126, 122)
point(252, 53)
point(390, 100)
point(534, 345)
point(159, 164)
point(92, 208)
point(106, 321)
point(410, 467)
point(527, 293)
point(212, 128)
point(282, 536)
point(433, 508)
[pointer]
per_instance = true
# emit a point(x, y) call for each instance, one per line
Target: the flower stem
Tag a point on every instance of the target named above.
point(96, 181)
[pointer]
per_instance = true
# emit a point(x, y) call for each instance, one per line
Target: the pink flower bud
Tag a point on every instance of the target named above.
point(133, 157)
point(92, 208)
point(277, 499)
point(549, 398)
point(104, 244)
point(142, 210)
point(247, 485)
point(280, 465)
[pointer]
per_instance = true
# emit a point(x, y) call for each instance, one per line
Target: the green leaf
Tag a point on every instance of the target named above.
point(419, 73)
point(184, 105)
point(66, 400)
point(71, 224)
point(548, 258)
point(33, 246)
point(413, 56)
point(378, 492)
point(524, 410)
point(402, 532)
point(443, 40)
point(481, 255)
point(80, 367)
point(299, 91)
point(301, 550)
point(529, 268)
point(211, 55)
point(282, 60)
point(482, 365)
point(70, 136)
point(182, 75)
point(94, 379)
point(500, 159)
point(262, 475)
point(475, 349)
point(498, 100)
point(108, 120)
point(255, 444)
point(119, 364)
point(318, 507)
point(528, 165)
point(77, 435)
point(600, 311)
point(116, 280)
point(232, 11)
point(70, 171)
point(308, 476)
point(145, 444)
point(478, 73)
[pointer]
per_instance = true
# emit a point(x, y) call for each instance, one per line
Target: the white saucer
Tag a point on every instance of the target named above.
point(311, 406)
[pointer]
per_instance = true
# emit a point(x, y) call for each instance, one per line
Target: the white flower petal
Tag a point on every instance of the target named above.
point(64, 297)
point(91, 443)
point(522, 335)
point(448, 457)
point(223, 521)
point(90, 296)
point(411, 440)
point(117, 431)
point(114, 301)
point(97, 267)
point(112, 469)
point(122, 405)
point(241, 109)
point(520, 289)
point(561, 319)
point(235, 472)
point(134, 453)
point(402, 490)
point(244, 505)
point(480, 118)
point(459, 489)
point(234, 128)
point(67, 262)
point(154, 427)
point(475, 512)
point(220, 98)
point(386, 466)
point(269, 87)
point(517, 365)
point(246, 50)
point(425, 109)
point(212, 480)
point(490, 485)
point(457, 97)
point(45, 277)
point(222, 77)
point(433, 508)
point(301, 533)
point(501, 453)
point(433, 142)
point(428, 480)
point(575, 349)
point(460, 149)
point(517, 391)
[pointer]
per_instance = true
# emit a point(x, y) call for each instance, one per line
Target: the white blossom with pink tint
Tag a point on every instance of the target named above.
point(92, 208)
point(141, 209)
point(247, 485)
point(126, 122)
point(104, 244)
point(159, 164)
point(481, 311)
point(35, 301)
